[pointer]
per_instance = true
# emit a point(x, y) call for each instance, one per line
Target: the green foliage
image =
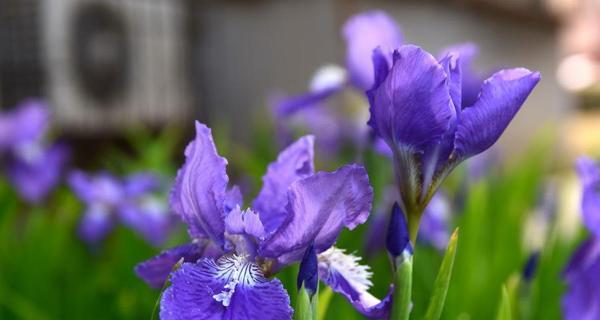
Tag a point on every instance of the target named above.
point(47, 273)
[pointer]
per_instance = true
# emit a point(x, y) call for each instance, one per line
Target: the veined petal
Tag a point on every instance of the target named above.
point(412, 108)
point(363, 33)
point(500, 98)
point(199, 192)
point(293, 163)
point(319, 207)
point(343, 273)
point(156, 270)
point(228, 288)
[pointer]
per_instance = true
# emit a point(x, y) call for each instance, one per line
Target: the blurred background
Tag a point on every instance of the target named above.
point(124, 79)
point(104, 65)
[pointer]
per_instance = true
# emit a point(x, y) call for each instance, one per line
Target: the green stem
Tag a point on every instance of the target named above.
point(402, 290)
point(413, 220)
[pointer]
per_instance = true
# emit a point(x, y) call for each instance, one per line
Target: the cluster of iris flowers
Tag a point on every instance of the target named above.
point(426, 113)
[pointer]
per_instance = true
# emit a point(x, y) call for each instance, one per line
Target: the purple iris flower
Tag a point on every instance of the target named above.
point(132, 201)
point(234, 251)
point(582, 274)
point(33, 167)
point(416, 109)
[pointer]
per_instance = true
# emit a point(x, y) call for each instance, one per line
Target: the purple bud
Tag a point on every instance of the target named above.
point(308, 273)
point(531, 266)
point(398, 240)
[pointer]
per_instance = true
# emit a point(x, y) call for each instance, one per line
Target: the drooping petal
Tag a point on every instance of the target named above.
point(500, 98)
point(156, 270)
point(346, 276)
point(229, 288)
point(319, 207)
point(293, 163)
point(363, 33)
point(96, 223)
point(199, 192)
point(412, 108)
point(35, 176)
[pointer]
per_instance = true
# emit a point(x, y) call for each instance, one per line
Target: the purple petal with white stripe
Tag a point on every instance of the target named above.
point(228, 288)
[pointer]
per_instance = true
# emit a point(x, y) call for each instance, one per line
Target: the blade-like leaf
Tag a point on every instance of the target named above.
point(504, 310)
point(442, 281)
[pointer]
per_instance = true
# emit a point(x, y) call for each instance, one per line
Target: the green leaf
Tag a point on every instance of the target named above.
point(324, 299)
point(504, 311)
point(442, 281)
point(402, 289)
point(306, 305)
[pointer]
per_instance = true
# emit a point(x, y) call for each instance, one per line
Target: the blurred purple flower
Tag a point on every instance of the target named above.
point(416, 109)
point(296, 208)
point(133, 201)
point(582, 274)
point(32, 167)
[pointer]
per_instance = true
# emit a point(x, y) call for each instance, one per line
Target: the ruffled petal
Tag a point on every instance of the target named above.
point(293, 163)
point(229, 288)
point(346, 276)
point(156, 270)
point(363, 33)
point(500, 98)
point(244, 222)
point(319, 207)
point(200, 188)
point(412, 107)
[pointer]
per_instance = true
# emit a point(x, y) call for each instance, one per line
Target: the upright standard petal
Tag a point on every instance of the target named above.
point(500, 98)
point(293, 163)
point(156, 270)
point(200, 188)
point(346, 276)
point(228, 288)
point(319, 207)
point(470, 81)
point(412, 107)
point(589, 174)
point(363, 33)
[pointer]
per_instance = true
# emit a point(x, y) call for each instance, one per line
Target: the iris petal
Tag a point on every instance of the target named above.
point(200, 188)
point(500, 98)
point(228, 288)
point(293, 163)
point(320, 207)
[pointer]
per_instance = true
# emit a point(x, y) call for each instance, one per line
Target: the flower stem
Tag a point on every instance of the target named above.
point(402, 289)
